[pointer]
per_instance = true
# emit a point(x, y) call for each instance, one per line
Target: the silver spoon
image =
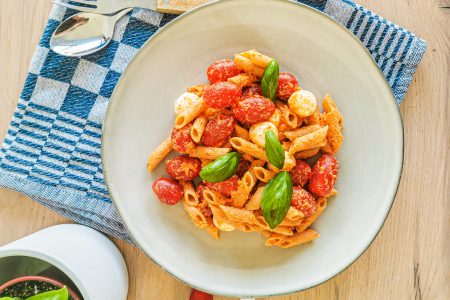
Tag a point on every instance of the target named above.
point(84, 33)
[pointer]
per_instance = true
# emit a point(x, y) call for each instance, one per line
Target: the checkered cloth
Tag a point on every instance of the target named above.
point(52, 150)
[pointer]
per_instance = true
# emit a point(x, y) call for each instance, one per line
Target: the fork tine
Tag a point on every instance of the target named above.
point(76, 7)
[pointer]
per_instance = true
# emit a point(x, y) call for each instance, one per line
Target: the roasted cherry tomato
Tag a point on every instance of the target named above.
point(168, 190)
point(218, 131)
point(287, 85)
point(181, 139)
point(252, 110)
point(253, 90)
point(199, 295)
point(324, 174)
point(301, 173)
point(183, 167)
point(243, 167)
point(222, 70)
point(303, 201)
point(221, 95)
point(225, 187)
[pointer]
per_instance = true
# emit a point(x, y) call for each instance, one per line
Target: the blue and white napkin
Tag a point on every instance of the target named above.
point(52, 150)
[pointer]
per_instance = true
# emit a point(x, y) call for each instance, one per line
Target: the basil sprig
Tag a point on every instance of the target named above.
point(274, 151)
point(276, 199)
point(222, 168)
point(61, 294)
point(269, 81)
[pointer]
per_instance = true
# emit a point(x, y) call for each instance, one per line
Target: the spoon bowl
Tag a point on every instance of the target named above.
point(84, 33)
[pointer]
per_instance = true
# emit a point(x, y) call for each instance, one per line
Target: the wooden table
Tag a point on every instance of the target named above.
point(410, 257)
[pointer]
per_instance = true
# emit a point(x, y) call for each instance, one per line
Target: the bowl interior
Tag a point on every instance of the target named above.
point(326, 59)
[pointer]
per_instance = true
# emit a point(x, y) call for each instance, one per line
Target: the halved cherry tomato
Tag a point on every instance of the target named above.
point(301, 173)
point(225, 187)
point(181, 139)
point(183, 167)
point(253, 110)
point(222, 70)
point(324, 174)
point(168, 190)
point(303, 201)
point(287, 85)
point(253, 90)
point(221, 95)
point(218, 131)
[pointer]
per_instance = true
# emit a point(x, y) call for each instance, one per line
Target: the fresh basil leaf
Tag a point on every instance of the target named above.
point(269, 81)
point(274, 151)
point(276, 199)
point(222, 168)
point(9, 298)
point(61, 294)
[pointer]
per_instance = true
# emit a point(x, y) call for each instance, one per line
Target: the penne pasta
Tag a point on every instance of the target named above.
point(314, 118)
point(296, 133)
point(205, 161)
point(308, 141)
point(255, 201)
point(190, 195)
point(287, 116)
point(241, 132)
point(198, 89)
point(212, 229)
point(247, 147)
point(294, 214)
point(211, 113)
point(189, 113)
point(238, 215)
point(307, 153)
point(257, 58)
point(214, 198)
point(242, 80)
point(291, 241)
point(198, 128)
point(329, 106)
point(159, 154)
point(283, 230)
point(208, 152)
point(245, 64)
point(334, 135)
point(332, 193)
point(245, 186)
point(275, 118)
point(263, 174)
point(321, 205)
point(196, 215)
point(289, 163)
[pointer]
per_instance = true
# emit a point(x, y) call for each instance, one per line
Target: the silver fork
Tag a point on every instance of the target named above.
point(113, 6)
point(106, 6)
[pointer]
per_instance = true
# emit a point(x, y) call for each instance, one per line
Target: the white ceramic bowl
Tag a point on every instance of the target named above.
point(326, 58)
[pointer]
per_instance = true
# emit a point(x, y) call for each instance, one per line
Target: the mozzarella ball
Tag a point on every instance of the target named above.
point(185, 101)
point(223, 226)
point(303, 103)
point(258, 132)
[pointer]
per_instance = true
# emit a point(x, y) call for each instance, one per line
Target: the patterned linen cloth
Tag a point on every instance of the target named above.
point(52, 150)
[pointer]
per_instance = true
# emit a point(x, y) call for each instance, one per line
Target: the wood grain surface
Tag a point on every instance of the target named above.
point(410, 257)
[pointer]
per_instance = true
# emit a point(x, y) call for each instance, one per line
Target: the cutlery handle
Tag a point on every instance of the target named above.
point(178, 6)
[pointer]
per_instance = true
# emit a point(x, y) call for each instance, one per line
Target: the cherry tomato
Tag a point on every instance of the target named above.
point(218, 131)
point(199, 295)
point(303, 201)
point(243, 167)
point(168, 190)
point(253, 90)
point(324, 174)
point(253, 110)
point(221, 95)
point(183, 167)
point(222, 70)
point(181, 139)
point(301, 173)
point(287, 85)
point(224, 187)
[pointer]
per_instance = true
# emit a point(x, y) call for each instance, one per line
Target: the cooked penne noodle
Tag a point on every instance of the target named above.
point(245, 146)
point(284, 230)
point(222, 225)
point(211, 113)
point(159, 154)
point(245, 186)
point(275, 118)
point(242, 80)
point(208, 152)
point(257, 58)
point(205, 161)
point(314, 118)
point(309, 140)
point(198, 89)
point(288, 117)
point(263, 174)
point(334, 135)
point(286, 145)
point(190, 196)
point(196, 215)
point(255, 201)
point(211, 229)
point(247, 66)
point(214, 198)
point(329, 106)
point(241, 132)
point(332, 193)
point(291, 241)
point(289, 163)
point(296, 133)
point(190, 113)
point(248, 157)
point(307, 153)
point(321, 205)
point(238, 215)
point(294, 214)
point(198, 128)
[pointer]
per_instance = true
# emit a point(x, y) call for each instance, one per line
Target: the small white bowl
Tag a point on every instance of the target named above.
point(326, 58)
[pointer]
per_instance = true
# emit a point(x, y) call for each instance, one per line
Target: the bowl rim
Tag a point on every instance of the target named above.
point(369, 56)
